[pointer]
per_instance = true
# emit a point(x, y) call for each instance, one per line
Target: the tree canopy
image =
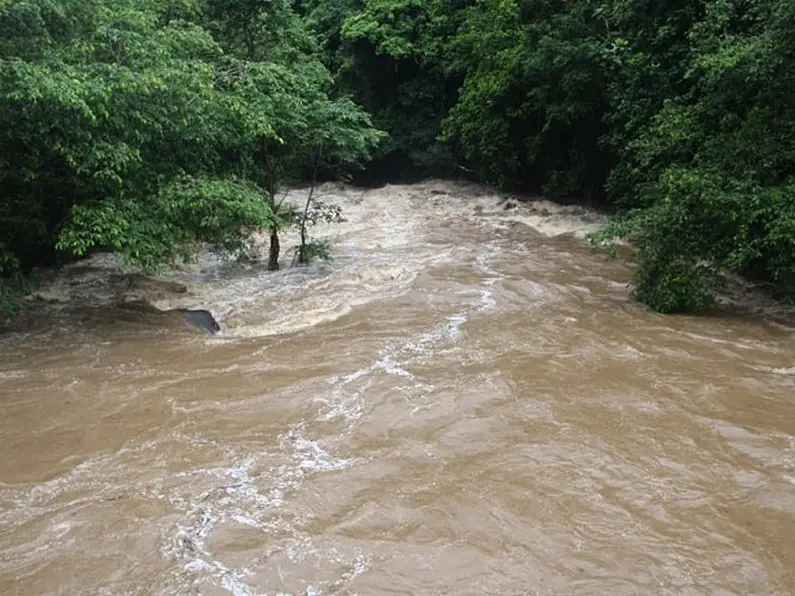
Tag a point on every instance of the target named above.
point(142, 126)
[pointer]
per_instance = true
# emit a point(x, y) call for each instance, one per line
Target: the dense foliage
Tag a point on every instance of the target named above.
point(680, 113)
point(149, 127)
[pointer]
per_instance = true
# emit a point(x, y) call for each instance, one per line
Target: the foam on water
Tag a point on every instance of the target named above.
point(378, 251)
point(236, 505)
point(777, 370)
point(252, 502)
point(251, 497)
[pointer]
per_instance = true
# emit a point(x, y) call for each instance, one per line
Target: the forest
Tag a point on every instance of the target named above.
point(152, 127)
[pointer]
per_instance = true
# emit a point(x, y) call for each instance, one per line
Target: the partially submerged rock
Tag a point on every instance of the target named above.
point(203, 319)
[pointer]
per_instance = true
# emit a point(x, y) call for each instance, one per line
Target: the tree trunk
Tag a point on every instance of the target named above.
point(273, 253)
point(270, 190)
point(303, 257)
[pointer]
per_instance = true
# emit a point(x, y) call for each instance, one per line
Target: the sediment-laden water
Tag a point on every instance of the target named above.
point(464, 401)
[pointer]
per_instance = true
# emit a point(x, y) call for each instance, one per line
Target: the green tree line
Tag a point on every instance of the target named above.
point(152, 127)
point(680, 113)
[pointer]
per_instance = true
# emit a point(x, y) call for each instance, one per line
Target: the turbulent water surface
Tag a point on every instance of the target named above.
point(464, 401)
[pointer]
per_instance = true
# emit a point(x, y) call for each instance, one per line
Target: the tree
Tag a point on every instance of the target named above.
point(276, 65)
point(531, 107)
point(388, 55)
point(116, 134)
point(709, 176)
point(679, 113)
point(154, 127)
point(148, 128)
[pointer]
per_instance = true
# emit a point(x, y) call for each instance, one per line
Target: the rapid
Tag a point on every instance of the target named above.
point(465, 400)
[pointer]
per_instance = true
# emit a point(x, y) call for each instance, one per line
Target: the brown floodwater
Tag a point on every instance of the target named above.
point(464, 401)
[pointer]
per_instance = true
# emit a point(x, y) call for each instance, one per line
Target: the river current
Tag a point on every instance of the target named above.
point(465, 400)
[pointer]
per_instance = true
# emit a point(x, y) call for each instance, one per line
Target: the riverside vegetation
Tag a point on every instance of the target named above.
point(151, 128)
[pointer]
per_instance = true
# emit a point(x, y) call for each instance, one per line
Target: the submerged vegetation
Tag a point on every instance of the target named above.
point(152, 127)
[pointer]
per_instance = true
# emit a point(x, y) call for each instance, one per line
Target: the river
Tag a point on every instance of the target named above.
point(464, 401)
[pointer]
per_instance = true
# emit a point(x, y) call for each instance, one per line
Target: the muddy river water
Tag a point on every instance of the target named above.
point(464, 401)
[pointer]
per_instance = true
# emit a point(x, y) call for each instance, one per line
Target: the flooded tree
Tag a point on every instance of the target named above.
point(278, 68)
point(152, 129)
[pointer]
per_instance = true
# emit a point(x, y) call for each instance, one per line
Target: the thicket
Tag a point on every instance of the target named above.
point(148, 127)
